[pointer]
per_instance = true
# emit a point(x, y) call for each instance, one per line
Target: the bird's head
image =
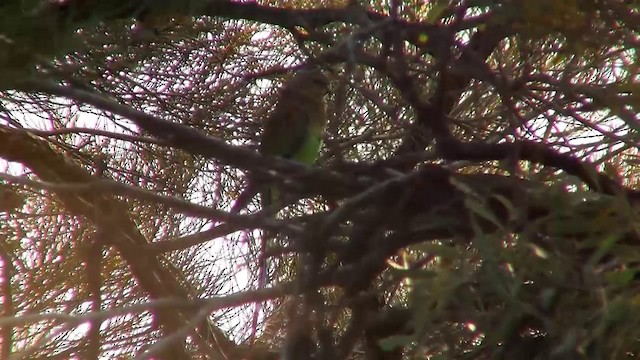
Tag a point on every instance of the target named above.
point(311, 82)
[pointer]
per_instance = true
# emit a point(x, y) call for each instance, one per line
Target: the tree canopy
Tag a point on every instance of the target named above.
point(476, 196)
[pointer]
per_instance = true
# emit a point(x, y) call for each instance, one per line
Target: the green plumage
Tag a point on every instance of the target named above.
point(293, 130)
point(295, 127)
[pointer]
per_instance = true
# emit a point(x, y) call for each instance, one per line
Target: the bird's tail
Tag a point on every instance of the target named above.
point(270, 196)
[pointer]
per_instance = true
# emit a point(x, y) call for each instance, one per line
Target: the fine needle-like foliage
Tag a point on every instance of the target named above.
point(476, 195)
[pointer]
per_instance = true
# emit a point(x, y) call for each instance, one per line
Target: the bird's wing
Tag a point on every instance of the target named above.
point(286, 130)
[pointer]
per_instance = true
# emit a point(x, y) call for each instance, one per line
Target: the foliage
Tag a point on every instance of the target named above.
point(476, 197)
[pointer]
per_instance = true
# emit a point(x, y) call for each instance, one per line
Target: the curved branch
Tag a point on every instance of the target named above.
point(538, 153)
point(110, 217)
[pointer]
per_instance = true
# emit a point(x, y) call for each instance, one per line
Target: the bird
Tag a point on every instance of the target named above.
point(293, 130)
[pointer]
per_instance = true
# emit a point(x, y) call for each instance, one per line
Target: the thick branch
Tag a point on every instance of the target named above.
point(108, 215)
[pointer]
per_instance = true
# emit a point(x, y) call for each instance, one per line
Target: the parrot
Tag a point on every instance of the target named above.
point(293, 130)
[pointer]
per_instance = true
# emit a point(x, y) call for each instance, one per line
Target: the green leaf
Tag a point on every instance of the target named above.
point(620, 278)
point(393, 342)
point(436, 11)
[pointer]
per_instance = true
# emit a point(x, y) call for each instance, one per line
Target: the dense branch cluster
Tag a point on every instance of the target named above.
point(477, 182)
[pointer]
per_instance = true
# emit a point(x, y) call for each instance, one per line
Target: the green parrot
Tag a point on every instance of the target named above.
point(294, 129)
